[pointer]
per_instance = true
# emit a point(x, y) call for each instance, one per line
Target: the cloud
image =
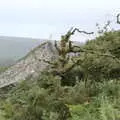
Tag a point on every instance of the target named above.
point(58, 4)
point(32, 17)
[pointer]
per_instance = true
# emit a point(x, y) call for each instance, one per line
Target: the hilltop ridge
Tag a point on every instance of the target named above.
point(14, 48)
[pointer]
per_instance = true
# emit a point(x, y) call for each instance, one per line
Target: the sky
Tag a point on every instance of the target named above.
point(49, 19)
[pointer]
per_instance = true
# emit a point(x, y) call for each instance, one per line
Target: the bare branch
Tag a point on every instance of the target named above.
point(118, 18)
point(81, 31)
point(72, 32)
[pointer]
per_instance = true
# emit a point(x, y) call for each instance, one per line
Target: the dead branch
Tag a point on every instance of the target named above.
point(118, 18)
point(81, 31)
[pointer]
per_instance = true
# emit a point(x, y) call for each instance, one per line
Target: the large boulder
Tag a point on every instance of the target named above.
point(31, 65)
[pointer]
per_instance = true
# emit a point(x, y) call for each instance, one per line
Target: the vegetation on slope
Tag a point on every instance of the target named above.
point(81, 87)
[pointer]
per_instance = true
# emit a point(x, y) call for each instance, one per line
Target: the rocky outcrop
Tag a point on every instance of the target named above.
point(32, 64)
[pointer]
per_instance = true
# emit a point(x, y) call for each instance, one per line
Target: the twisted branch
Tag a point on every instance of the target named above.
point(81, 31)
point(118, 18)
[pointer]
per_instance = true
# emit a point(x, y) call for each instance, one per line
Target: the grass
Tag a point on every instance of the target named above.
point(105, 111)
point(2, 115)
point(105, 105)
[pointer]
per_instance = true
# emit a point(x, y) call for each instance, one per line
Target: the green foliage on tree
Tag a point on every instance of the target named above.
point(65, 64)
point(105, 64)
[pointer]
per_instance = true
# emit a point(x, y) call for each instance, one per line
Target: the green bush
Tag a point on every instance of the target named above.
point(84, 87)
point(34, 102)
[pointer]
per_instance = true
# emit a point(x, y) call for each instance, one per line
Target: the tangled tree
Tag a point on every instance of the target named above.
point(65, 62)
point(88, 58)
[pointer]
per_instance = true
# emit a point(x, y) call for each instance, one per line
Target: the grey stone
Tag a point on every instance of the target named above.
point(32, 64)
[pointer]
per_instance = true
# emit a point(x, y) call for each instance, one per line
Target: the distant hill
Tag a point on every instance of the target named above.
point(14, 48)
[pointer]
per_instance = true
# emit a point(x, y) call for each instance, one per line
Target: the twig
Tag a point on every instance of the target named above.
point(81, 31)
point(118, 18)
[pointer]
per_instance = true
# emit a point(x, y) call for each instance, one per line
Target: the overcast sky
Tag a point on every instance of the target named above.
point(51, 18)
